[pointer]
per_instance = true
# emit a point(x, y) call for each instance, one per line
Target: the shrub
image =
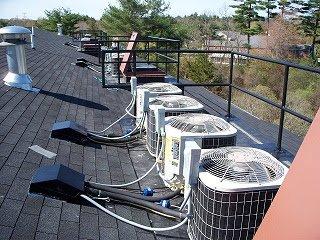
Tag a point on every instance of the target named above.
point(257, 107)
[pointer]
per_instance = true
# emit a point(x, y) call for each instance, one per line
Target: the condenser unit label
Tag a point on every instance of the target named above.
point(175, 149)
point(174, 163)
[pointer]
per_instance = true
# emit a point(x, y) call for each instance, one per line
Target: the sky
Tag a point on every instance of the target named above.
point(34, 9)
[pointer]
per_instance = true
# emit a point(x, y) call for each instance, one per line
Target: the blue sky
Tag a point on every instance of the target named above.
point(94, 8)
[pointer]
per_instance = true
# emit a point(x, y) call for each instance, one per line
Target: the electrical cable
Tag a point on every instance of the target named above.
point(158, 155)
point(131, 104)
point(130, 114)
point(132, 199)
point(185, 200)
point(144, 208)
point(90, 134)
point(105, 189)
point(103, 140)
point(131, 222)
point(143, 176)
point(130, 183)
point(158, 160)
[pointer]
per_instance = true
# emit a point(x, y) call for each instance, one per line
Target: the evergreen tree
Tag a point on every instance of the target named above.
point(284, 5)
point(3, 23)
point(63, 16)
point(309, 12)
point(269, 6)
point(200, 69)
point(148, 17)
point(247, 18)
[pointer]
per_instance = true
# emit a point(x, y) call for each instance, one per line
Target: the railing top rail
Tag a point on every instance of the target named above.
point(139, 40)
point(90, 31)
point(123, 36)
point(281, 62)
point(164, 39)
point(271, 60)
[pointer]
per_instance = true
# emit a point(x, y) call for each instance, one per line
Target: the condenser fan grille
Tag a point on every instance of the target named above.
point(175, 101)
point(242, 165)
point(160, 87)
point(199, 123)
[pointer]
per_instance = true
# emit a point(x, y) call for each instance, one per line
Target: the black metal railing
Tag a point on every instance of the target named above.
point(162, 48)
point(230, 84)
point(95, 34)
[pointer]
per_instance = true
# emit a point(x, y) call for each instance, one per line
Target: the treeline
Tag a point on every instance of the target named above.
point(66, 17)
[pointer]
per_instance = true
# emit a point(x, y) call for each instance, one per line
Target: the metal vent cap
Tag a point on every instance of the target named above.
point(14, 30)
point(13, 35)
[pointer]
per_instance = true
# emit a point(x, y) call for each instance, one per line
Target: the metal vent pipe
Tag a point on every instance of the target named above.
point(32, 38)
point(59, 26)
point(14, 39)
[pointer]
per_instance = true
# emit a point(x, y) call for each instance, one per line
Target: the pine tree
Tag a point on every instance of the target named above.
point(64, 16)
point(269, 6)
point(309, 12)
point(148, 17)
point(247, 18)
point(284, 5)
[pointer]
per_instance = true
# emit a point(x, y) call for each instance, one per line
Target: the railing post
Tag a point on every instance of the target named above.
point(166, 64)
point(230, 85)
point(283, 105)
point(103, 71)
point(148, 52)
point(134, 57)
point(99, 51)
point(118, 60)
point(178, 65)
point(182, 89)
point(157, 57)
point(145, 48)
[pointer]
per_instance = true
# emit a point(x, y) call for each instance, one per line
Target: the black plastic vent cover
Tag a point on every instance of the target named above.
point(69, 131)
point(59, 182)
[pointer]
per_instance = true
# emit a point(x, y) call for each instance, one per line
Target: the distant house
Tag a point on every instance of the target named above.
point(300, 50)
point(235, 41)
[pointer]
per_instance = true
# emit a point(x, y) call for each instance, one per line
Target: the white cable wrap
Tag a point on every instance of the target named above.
point(124, 136)
point(131, 222)
point(185, 200)
point(129, 183)
point(127, 111)
point(158, 158)
point(143, 176)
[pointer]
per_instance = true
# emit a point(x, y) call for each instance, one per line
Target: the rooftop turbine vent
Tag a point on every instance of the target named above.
point(14, 39)
point(59, 26)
